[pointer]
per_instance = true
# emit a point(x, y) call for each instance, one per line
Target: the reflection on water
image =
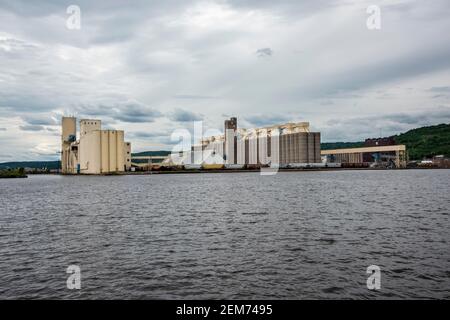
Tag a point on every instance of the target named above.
point(224, 236)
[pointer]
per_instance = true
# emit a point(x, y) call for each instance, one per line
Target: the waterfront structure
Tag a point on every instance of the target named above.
point(147, 162)
point(289, 144)
point(96, 151)
point(387, 154)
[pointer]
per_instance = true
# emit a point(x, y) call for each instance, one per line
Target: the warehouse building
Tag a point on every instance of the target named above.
point(389, 156)
point(97, 151)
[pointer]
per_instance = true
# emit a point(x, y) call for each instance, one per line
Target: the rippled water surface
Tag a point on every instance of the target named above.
point(224, 236)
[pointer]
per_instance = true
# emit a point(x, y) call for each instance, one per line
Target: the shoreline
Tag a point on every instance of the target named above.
point(198, 171)
point(13, 177)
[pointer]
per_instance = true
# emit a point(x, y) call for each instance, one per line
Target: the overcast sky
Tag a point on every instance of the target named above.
point(149, 67)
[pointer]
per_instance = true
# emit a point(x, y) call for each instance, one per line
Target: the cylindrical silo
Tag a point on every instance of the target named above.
point(317, 147)
point(303, 147)
point(311, 145)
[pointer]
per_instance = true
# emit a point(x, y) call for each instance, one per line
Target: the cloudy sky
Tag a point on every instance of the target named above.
point(149, 67)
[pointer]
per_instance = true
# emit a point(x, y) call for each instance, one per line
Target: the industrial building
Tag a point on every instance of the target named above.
point(374, 154)
point(147, 162)
point(286, 145)
point(96, 151)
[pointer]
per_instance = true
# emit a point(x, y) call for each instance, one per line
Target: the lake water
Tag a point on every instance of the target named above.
point(227, 235)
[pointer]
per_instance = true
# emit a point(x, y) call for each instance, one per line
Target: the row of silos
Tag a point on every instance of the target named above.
point(262, 148)
point(299, 147)
point(102, 151)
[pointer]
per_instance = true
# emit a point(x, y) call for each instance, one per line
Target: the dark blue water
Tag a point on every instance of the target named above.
point(225, 236)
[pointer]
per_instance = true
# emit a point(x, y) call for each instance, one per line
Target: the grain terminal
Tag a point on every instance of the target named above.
point(288, 144)
point(97, 151)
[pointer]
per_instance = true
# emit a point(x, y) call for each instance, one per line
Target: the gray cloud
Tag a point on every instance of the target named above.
point(441, 96)
point(26, 102)
point(360, 128)
point(181, 115)
point(293, 8)
point(262, 120)
point(193, 97)
point(32, 128)
point(442, 92)
point(264, 52)
point(148, 134)
point(135, 113)
point(439, 115)
point(129, 111)
point(43, 120)
point(440, 89)
point(160, 138)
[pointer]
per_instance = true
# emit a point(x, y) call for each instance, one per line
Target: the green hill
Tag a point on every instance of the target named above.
point(426, 141)
point(420, 143)
point(340, 145)
point(31, 164)
point(160, 153)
